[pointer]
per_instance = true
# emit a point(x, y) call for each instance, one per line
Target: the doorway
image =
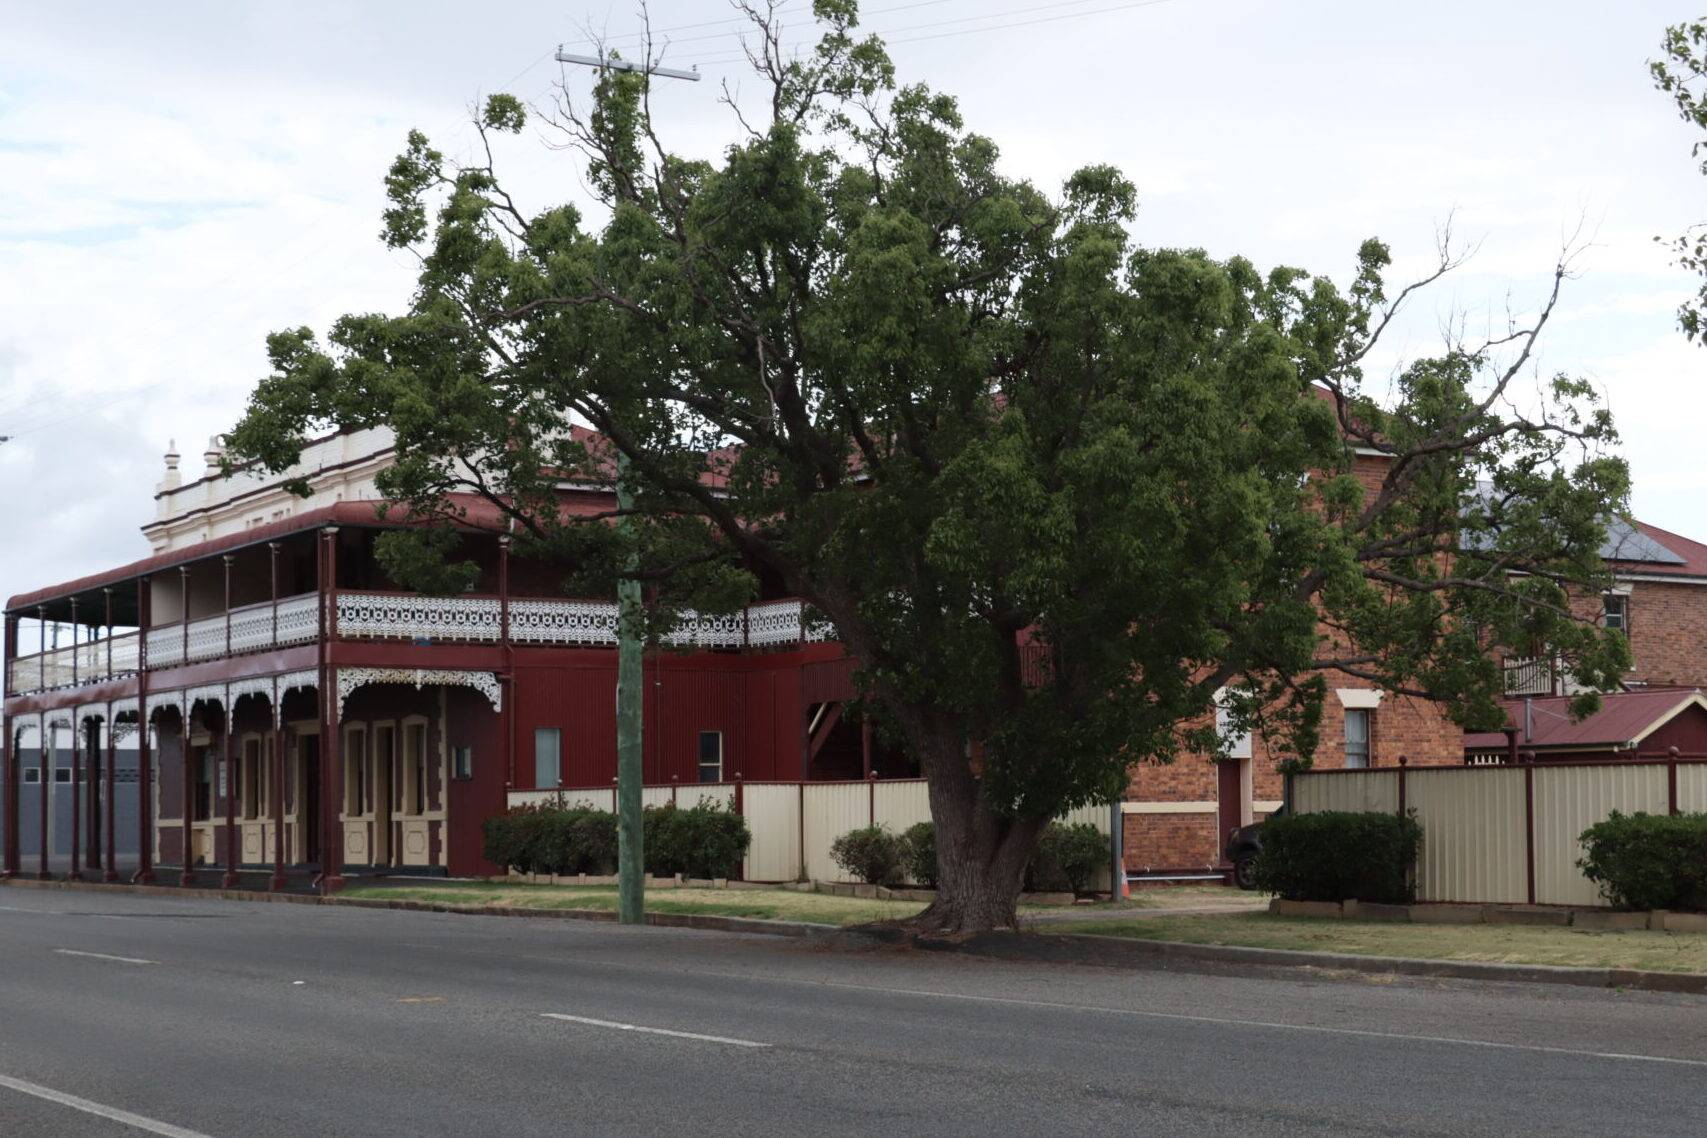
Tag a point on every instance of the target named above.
point(308, 801)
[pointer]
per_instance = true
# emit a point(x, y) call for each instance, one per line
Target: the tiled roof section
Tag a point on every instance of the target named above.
point(1623, 718)
point(1677, 556)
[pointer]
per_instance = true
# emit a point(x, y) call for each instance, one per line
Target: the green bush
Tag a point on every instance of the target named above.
point(1067, 858)
point(707, 840)
point(551, 838)
point(1337, 856)
point(1648, 861)
point(918, 853)
point(871, 853)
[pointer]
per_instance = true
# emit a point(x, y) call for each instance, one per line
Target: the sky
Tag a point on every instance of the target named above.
point(178, 179)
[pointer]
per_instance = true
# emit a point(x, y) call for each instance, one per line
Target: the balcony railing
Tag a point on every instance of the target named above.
point(68, 666)
point(1539, 675)
point(251, 628)
point(412, 617)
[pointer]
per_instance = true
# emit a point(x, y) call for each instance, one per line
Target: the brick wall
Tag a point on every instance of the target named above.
point(1668, 633)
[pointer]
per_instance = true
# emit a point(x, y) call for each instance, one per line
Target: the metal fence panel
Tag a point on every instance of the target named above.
point(1691, 788)
point(899, 805)
point(772, 811)
point(1568, 800)
point(1473, 833)
point(832, 809)
point(1358, 792)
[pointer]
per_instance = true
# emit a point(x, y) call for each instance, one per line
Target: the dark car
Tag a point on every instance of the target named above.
point(1243, 846)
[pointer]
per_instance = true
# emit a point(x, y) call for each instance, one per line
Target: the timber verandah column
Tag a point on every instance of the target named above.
point(331, 876)
point(229, 879)
point(9, 757)
point(45, 762)
point(111, 870)
point(144, 758)
point(76, 873)
point(276, 757)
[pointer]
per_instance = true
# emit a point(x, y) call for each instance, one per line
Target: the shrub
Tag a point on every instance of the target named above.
point(918, 853)
point(551, 838)
point(1337, 856)
point(1648, 861)
point(1067, 858)
point(707, 840)
point(872, 853)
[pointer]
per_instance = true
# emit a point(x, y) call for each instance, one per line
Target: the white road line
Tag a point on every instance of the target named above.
point(654, 1030)
point(152, 1126)
point(104, 956)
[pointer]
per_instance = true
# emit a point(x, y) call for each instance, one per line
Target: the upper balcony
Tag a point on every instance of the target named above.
point(402, 617)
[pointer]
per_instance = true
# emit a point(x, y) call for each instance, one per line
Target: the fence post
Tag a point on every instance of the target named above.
point(1402, 761)
point(871, 799)
point(800, 817)
point(1671, 780)
point(1529, 821)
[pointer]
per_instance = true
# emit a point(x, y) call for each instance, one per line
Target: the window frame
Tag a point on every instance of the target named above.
point(1366, 716)
point(557, 759)
point(461, 771)
point(700, 757)
point(1622, 601)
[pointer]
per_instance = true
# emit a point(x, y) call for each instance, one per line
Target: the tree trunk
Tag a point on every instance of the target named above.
point(981, 855)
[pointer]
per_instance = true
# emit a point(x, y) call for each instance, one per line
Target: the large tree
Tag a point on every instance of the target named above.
point(1055, 490)
point(1682, 74)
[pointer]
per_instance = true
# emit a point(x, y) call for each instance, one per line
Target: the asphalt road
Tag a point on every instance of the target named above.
point(222, 1018)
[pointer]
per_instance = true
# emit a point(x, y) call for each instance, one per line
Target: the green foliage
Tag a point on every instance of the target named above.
point(420, 559)
point(1053, 488)
point(1680, 75)
point(1067, 858)
point(918, 854)
point(871, 853)
point(706, 840)
point(1648, 861)
point(551, 839)
point(1339, 856)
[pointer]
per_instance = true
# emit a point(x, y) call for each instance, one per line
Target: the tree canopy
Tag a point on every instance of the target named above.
point(1055, 489)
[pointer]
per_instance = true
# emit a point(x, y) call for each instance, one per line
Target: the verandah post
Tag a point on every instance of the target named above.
point(111, 872)
point(76, 873)
point(187, 872)
point(45, 762)
point(229, 769)
point(144, 756)
point(9, 755)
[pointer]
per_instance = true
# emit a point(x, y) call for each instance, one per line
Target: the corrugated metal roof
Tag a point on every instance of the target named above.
point(1623, 718)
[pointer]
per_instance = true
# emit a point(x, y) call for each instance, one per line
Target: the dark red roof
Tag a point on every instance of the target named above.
point(1623, 718)
point(1693, 555)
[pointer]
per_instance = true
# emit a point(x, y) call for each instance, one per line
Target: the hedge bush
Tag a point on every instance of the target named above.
point(1338, 856)
point(704, 841)
point(871, 853)
point(707, 840)
point(551, 838)
point(1067, 858)
point(1648, 861)
point(918, 853)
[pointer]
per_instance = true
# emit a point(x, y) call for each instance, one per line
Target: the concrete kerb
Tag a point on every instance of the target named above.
point(1058, 948)
point(1445, 913)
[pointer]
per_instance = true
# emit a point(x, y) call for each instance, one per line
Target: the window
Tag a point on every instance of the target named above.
point(32, 774)
point(61, 774)
point(547, 757)
point(462, 761)
point(711, 756)
point(1356, 738)
point(1615, 612)
point(250, 779)
point(415, 768)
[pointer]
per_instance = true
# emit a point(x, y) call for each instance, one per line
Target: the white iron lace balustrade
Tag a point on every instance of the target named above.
point(299, 619)
point(207, 638)
point(390, 617)
point(165, 646)
point(252, 627)
point(773, 623)
point(708, 630)
point(563, 622)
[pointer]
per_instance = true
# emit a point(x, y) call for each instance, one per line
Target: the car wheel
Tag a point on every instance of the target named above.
point(1245, 872)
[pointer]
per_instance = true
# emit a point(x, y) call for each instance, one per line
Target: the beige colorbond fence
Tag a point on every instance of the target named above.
point(1508, 834)
point(793, 823)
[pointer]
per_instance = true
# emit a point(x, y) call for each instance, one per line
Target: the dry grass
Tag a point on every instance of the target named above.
point(1501, 944)
point(767, 904)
